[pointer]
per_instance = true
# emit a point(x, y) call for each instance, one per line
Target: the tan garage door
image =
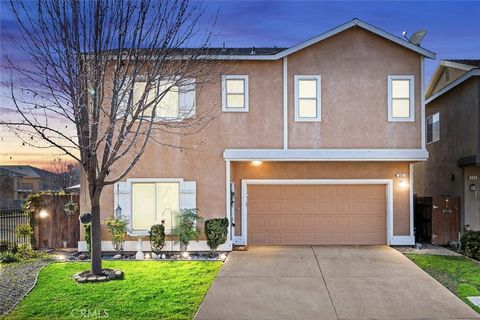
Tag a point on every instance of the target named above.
point(316, 214)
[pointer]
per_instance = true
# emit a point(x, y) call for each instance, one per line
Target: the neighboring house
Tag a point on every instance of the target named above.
point(313, 144)
point(17, 182)
point(453, 138)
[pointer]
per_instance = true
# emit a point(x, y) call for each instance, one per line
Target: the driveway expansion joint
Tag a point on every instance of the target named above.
point(325, 283)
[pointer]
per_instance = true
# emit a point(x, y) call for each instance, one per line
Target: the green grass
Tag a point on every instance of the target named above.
point(459, 274)
point(150, 290)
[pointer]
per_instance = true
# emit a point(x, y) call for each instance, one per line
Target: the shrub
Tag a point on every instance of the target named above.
point(157, 237)
point(8, 246)
point(470, 243)
point(216, 231)
point(186, 229)
point(88, 235)
point(117, 227)
point(24, 232)
point(8, 257)
point(25, 252)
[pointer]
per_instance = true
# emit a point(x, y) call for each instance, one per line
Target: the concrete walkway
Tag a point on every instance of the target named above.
point(374, 282)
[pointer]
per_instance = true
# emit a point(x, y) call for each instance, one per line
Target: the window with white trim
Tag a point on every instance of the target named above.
point(433, 128)
point(153, 202)
point(235, 93)
point(167, 107)
point(308, 103)
point(401, 98)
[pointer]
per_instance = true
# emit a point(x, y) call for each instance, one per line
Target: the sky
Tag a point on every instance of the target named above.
point(453, 32)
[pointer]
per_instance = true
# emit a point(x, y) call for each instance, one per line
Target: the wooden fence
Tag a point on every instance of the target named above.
point(53, 227)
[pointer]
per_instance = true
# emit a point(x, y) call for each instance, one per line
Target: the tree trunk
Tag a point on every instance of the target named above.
point(96, 266)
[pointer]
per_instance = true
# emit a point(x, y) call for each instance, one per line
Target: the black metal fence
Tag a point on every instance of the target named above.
point(9, 222)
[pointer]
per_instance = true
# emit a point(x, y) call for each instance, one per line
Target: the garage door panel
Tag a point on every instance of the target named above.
point(290, 207)
point(316, 214)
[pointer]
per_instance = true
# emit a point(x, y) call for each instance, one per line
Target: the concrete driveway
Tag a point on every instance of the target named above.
point(373, 282)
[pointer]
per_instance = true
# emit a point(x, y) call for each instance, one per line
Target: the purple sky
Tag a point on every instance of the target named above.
point(454, 28)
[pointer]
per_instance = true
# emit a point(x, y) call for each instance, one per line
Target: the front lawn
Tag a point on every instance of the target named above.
point(150, 290)
point(459, 274)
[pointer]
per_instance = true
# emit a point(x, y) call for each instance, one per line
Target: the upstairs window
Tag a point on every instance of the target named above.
point(307, 98)
point(400, 98)
point(176, 104)
point(235, 93)
point(433, 128)
point(167, 107)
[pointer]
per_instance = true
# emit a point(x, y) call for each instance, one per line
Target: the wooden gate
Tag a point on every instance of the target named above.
point(445, 220)
point(55, 229)
point(437, 219)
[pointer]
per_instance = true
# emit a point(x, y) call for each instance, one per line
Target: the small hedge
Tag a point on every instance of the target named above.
point(216, 232)
point(470, 243)
point(157, 237)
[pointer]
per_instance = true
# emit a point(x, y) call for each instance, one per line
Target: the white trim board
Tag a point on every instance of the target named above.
point(422, 102)
point(285, 103)
point(391, 239)
point(453, 84)
point(326, 154)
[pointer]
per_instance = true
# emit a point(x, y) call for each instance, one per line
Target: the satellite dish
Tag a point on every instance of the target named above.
point(418, 36)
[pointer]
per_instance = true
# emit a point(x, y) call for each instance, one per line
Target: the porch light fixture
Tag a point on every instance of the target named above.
point(118, 209)
point(256, 163)
point(43, 214)
point(403, 183)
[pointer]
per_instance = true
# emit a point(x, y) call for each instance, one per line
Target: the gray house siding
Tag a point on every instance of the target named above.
point(442, 175)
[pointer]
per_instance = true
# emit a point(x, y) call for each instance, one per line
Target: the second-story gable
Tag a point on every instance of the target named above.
point(355, 69)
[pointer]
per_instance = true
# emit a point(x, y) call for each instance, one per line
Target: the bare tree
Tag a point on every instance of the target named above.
point(66, 173)
point(95, 80)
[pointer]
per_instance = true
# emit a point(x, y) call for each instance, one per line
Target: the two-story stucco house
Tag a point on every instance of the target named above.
point(453, 138)
point(313, 144)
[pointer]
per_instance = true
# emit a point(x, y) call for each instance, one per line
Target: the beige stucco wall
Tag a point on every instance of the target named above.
point(329, 170)
point(354, 66)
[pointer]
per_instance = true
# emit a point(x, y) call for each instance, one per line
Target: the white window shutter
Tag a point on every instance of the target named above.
point(123, 97)
point(187, 99)
point(122, 195)
point(188, 195)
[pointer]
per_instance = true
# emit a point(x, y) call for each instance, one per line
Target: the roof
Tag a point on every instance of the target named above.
point(469, 62)
point(461, 64)
point(26, 171)
point(358, 23)
point(275, 53)
point(474, 72)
